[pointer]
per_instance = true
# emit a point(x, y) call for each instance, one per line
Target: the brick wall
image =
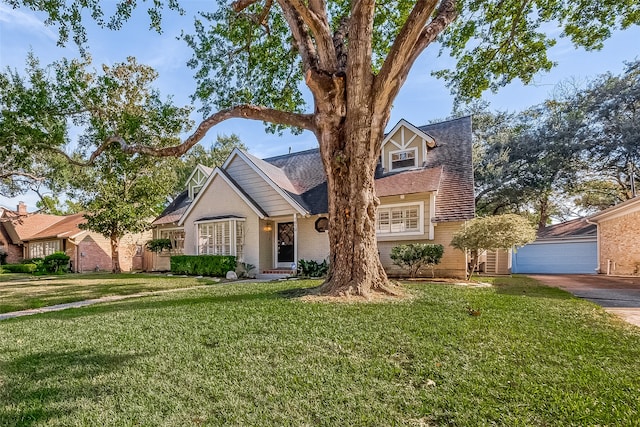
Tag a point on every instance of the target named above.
point(619, 243)
point(95, 252)
point(14, 251)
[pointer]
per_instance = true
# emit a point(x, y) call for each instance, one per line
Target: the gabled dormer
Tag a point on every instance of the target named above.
point(197, 179)
point(405, 147)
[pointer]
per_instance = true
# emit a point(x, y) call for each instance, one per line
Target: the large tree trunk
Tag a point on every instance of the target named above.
point(350, 149)
point(114, 240)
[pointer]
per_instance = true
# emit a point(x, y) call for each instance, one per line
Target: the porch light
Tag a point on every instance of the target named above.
point(268, 227)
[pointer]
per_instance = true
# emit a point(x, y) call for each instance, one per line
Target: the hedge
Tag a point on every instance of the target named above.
point(203, 265)
point(19, 268)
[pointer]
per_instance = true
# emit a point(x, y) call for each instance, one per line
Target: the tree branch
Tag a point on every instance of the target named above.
point(413, 38)
point(303, 121)
point(303, 41)
point(10, 174)
point(315, 18)
point(359, 65)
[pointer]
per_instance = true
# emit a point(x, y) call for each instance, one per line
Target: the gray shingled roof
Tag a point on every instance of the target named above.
point(455, 200)
point(448, 170)
point(174, 211)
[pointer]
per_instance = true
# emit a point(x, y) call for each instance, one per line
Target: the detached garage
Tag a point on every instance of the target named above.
point(567, 248)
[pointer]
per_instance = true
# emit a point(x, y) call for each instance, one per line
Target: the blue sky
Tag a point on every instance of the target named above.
point(422, 99)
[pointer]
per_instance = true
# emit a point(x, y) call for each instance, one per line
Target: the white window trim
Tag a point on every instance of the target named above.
point(420, 205)
point(391, 153)
point(233, 249)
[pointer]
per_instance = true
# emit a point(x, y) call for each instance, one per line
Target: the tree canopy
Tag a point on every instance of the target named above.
point(575, 152)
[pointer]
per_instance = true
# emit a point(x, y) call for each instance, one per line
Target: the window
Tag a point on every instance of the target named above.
point(400, 219)
point(221, 237)
point(42, 249)
point(403, 159)
point(176, 236)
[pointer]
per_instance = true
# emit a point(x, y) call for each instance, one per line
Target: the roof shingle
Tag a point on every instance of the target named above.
point(448, 170)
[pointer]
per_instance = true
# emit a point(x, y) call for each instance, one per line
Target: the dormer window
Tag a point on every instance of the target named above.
point(403, 159)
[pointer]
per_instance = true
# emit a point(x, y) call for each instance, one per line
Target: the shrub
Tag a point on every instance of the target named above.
point(20, 268)
point(415, 256)
point(311, 268)
point(203, 265)
point(57, 262)
point(3, 258)
point(158, 245)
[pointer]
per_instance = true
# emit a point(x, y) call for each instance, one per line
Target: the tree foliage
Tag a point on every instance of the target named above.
point(119, 193)
point(493, 233)
point(577, 151)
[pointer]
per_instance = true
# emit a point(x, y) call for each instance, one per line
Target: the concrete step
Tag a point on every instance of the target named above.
point(275, 274)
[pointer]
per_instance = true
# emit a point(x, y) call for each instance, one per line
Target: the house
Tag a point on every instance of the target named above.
point(566, 248)
point(273, 212)
point(618, 236)
point(13, 251)
point(36, 235)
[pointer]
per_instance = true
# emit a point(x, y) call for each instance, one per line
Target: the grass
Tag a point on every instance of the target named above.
point(22, 291)
point(250, 354)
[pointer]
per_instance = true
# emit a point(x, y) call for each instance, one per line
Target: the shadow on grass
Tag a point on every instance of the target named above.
point(146, 303)
point(43, 386)
point(534, 291)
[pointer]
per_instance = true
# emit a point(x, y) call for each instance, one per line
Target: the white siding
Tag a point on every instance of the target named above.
point(313, 245)
point(258, 189)
point(217, 200)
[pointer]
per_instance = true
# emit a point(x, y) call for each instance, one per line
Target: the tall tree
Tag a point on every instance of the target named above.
point(30, 135)
point(611, 129)
point(353, 56)
point(122, 194)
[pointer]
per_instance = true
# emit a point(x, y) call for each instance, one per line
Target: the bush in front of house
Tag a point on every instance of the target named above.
point(56, 263)
point(311, 268)
point(415, 256)
point(203, 265)
point(20, 268)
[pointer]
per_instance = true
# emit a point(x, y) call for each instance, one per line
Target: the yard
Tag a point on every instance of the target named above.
point(22, 291)
point(254, 354)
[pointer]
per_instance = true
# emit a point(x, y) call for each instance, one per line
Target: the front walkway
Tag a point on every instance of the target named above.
point(617, 295)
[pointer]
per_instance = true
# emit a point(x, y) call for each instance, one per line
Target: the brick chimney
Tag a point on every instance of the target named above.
point(22, 208)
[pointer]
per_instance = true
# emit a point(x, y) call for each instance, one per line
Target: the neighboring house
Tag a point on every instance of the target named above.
point(13, 251)
point(273, 212)
point(618, 237)
point(37, 235)
point(166, 225)
point(566, 248)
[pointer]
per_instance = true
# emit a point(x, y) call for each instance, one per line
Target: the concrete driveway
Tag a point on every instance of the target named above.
point(618, 295)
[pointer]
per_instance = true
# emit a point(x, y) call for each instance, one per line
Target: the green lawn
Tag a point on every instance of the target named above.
point(253, 354)
point(22, 291)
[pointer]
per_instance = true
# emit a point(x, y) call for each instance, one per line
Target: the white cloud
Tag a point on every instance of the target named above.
point(26, 22)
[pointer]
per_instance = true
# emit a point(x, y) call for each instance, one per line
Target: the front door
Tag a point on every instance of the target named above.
point(285, 242)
